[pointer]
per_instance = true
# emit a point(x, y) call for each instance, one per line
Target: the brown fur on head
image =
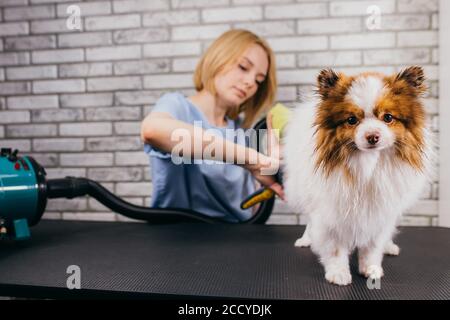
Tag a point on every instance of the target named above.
point(343, 108)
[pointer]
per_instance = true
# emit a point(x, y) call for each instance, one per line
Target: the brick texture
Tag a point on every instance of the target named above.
point(74, 99)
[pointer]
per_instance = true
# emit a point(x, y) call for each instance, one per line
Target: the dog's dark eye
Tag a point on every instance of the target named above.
point(388, 118)
point(352, 120)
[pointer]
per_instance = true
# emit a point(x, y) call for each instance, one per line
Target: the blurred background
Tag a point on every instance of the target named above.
point(77, 78)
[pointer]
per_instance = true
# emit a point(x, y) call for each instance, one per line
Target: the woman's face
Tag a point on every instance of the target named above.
point(240, 81)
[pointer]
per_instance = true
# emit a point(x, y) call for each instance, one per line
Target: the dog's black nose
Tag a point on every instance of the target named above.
point(373, 138)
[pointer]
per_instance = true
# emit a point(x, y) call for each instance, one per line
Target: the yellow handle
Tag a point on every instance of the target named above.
point(260, 195)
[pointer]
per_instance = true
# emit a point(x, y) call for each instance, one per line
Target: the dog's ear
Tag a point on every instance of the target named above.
point(414, 77)
point(326, 81)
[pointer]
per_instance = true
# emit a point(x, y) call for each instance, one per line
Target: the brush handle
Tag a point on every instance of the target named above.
point(256, 197)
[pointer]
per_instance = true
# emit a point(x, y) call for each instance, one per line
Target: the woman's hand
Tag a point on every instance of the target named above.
point(265, 167)
point(275, 156)
point(264, 170)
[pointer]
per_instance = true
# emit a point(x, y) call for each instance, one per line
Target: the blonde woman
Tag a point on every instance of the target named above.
point(235, 84)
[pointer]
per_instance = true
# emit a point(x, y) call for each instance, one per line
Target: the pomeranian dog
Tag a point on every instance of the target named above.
point(354, 161)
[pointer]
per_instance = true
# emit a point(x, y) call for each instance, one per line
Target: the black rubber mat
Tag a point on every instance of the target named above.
point(208, 261)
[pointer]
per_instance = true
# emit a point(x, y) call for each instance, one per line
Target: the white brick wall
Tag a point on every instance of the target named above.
point(14, 117)
point(32, 102)
point(113, 113)
point(363, 41)
point(14, 58)
point(330, 26)
point(74, 99)
point(121, 6)
point(86, 100)
point(232, 14)
point(162, 19)
point(172, 49)
point(359, 8)
point(113, 53)
point(49, 26)
point(112, 22)
point(39, 72)
point(58, 55)
point(30, 43)
point(85, 129)
point(56, 115)
point(143, 66)
point(14, 29)
point(86, 159)
point(11, 88)
point(113, 83)
point(59, 86)
point(303, 10)
point(198, 32)
point(112, 174)
point(141, 35)
point(29, 13)
point(35, 130)
point(85, 39)
point(58, 144)
point(87, 9)
point(85, 69)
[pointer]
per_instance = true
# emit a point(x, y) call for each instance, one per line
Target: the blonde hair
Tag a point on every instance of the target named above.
point(220, 55)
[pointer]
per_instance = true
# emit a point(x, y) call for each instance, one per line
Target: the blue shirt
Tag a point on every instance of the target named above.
point(215, 188)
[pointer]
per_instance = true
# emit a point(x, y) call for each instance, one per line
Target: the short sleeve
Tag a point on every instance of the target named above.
point(172, 103)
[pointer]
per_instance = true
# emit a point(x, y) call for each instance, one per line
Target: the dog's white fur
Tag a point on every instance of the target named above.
point(342, 216)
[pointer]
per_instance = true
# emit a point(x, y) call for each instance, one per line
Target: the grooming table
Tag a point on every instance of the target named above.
point(193, 260)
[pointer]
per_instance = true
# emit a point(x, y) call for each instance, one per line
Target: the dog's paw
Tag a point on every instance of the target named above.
point(303, 242)
point(392, 249)
point(339, 276)
point(373, 272)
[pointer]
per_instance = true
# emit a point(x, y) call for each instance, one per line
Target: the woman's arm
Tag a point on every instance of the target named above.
point(158, 129)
